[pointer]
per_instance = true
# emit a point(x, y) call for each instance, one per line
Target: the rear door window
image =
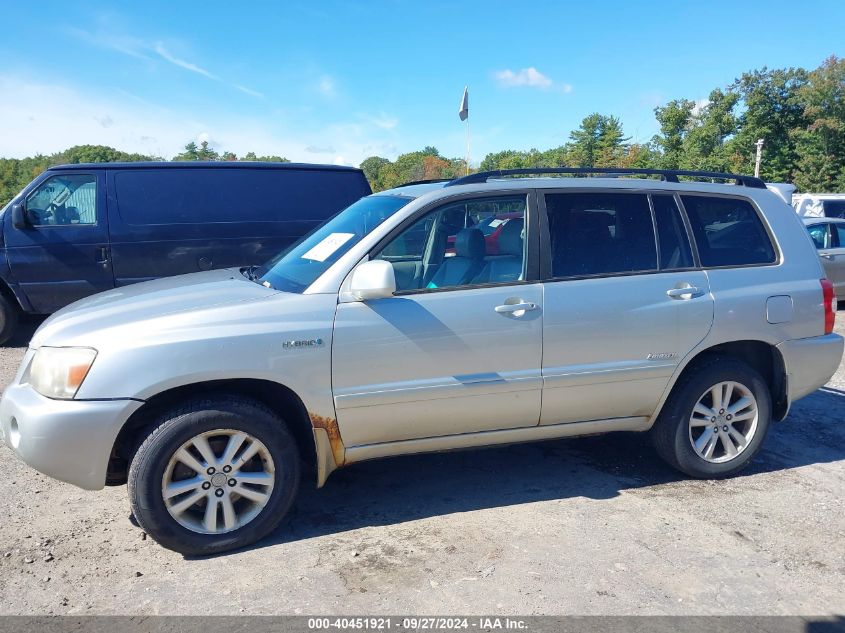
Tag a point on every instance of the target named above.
point(600, 234)
point(728, 231)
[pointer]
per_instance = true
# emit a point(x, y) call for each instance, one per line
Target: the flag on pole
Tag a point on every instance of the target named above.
point(464, 111)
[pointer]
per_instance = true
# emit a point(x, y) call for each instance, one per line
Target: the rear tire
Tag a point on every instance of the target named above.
point(242, 488)
point(9, 317)
point(715, 419)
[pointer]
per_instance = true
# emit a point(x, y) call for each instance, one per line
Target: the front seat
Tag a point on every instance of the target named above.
point(508, 268)
point(467, 263)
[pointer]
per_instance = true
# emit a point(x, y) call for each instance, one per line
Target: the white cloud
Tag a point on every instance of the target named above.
point(165, 54)
point(699, 105)
point(248, 91)
point(50, 117)
point(149, 51)
point(326, 86)
point(382, 120)
point(528, 77)
point(524, 77)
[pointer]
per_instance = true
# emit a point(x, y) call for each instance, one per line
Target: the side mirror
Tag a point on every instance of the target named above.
point(373, 280)
point(19, 220)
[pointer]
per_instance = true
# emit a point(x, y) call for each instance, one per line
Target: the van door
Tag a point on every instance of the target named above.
point(63, 253)
point(624, 304)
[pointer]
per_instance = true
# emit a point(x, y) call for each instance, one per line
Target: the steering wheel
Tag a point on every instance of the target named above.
point(42, 215)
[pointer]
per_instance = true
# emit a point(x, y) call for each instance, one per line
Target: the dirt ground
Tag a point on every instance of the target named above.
point(581, 526)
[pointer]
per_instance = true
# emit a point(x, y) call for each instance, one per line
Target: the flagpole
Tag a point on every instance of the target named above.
point(468, 145)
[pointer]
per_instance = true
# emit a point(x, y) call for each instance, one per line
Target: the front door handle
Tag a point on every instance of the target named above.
point(827, 256)
point(684, 292)
point(102, 255)
point(513, 308)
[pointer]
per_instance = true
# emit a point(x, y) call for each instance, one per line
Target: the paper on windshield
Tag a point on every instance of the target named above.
point(327, 246)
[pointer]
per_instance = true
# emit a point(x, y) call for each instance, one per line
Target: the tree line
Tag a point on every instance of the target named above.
point(16, 173)
point(800, 114)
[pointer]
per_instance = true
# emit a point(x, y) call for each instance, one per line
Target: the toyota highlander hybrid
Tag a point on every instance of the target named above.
point(694, 311)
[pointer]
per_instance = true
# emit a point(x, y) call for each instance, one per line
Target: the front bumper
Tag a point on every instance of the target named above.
point(70, 440)
point(810, 363)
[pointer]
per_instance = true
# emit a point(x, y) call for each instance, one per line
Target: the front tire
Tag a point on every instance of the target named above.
point(715, 419)
point(214, 475)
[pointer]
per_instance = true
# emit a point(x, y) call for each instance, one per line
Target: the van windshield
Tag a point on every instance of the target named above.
point(299, 266)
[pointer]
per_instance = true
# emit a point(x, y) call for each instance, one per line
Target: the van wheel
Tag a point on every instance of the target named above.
point(214, 475)
point(715, 420)
point(9, 316)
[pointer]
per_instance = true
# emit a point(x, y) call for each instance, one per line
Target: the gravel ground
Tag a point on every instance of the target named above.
point(582, 526)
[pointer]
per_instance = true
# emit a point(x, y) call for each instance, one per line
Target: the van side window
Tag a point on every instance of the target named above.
point(728, 231)
point(64, 200)
point(600, 233)
point(671, 234)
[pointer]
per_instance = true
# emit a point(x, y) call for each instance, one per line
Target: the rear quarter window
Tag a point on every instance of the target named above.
point(728, 232)
point(200, 196)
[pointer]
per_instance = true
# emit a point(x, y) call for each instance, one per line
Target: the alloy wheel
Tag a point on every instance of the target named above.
point(218, 481)
point(723, 422)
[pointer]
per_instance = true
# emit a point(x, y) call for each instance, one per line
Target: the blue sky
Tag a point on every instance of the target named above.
point(336, 81)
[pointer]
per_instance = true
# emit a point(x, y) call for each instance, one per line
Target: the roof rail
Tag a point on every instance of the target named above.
point(668, 175)
point(422, 182)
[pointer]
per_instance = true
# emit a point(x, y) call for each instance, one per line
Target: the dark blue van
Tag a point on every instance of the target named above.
point(81, 229)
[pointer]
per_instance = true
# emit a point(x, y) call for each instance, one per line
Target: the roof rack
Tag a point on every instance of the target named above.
point(668, 175)
point(423, 182)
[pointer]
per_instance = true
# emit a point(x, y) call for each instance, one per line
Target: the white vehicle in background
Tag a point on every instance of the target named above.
point(819, 205)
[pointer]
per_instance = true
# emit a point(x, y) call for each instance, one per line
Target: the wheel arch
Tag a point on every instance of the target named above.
point(763, 357)
point(276, 396)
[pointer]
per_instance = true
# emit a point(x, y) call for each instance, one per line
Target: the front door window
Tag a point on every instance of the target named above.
point(64, 200)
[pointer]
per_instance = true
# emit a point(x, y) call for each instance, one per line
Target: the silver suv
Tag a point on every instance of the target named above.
point(486, 310)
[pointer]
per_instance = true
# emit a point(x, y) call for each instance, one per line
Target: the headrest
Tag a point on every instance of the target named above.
point(470, 243)
point(510, 239)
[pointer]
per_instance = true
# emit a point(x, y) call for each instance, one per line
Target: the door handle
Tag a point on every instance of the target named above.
point(827, 256)
point(685, 292)
point(512, 308)
point(102, 255)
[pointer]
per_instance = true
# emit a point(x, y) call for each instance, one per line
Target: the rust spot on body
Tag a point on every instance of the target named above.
point(330, 426)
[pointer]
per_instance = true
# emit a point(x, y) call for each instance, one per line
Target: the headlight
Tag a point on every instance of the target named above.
point(58, 372)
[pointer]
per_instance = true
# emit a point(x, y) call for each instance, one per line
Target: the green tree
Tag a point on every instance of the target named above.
point(706, 145)
point(674, 121)
point(372, 168)
point(598, 142)
point(820, 144)
point(771, 110)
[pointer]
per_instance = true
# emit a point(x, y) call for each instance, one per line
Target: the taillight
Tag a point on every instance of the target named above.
point(829, 305)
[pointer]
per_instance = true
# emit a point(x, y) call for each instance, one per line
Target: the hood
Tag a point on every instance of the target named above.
point(149, 300)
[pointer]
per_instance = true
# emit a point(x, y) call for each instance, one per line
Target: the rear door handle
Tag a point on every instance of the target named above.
point(686, 292)
point(828, 256)
point(511, 308)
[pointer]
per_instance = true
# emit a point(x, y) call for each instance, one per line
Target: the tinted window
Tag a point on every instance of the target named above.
point(728, 231)
point(64, 200)
point(820, 235)
point(840, 235)
point(672, 235)
point(834, 208)
point(196, 196)
point(600, 233)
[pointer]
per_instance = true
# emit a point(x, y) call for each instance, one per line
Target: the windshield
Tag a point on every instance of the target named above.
point(299, 266)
